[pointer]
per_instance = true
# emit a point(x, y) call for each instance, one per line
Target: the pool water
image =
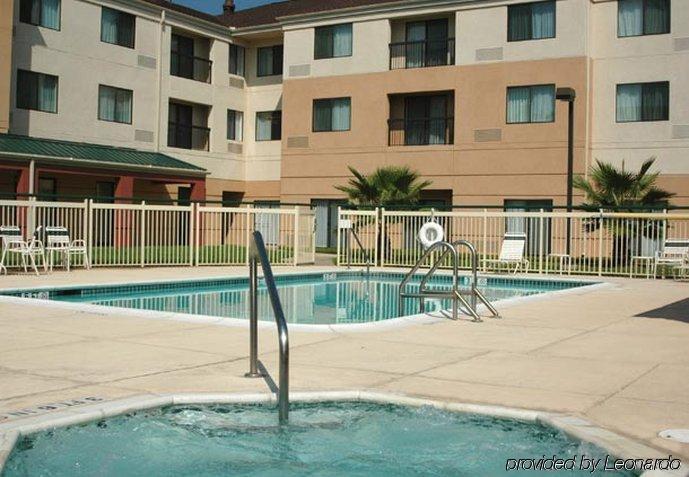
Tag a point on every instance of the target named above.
point(344, 297)
point(323, 439)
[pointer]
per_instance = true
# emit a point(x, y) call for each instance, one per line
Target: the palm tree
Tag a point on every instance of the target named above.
point(623, 191)
point(390, 186)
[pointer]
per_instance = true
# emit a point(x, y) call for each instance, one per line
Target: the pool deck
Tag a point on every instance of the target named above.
point(585, 352)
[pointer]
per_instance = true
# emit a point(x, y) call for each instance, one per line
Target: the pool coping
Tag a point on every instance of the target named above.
point(419, 318)
point(574, 426)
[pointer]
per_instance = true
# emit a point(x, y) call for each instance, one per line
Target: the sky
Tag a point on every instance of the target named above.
point(215, 6)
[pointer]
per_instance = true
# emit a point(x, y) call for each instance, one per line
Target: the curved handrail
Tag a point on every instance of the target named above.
point(474, 266)
point(258, 254)
point(475, 292)
point(405, 281)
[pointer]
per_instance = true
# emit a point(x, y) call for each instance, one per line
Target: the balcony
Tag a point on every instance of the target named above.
point(190, 67)
point(421, 131)
point(185, 136)
point(422, 54)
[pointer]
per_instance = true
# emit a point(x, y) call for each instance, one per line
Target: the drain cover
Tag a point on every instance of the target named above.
point(677, 435)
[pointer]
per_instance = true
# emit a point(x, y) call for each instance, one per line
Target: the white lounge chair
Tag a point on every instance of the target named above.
point(57, 241)
point(13, 243)
point(511, 253)
point(675, 253)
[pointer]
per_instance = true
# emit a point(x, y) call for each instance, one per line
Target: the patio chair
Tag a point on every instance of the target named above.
point(14, 243)
point(57, 241)
point(675, 253)
point(511, 253)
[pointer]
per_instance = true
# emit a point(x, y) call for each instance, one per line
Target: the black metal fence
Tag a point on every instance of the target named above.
point(421, 132)
point(422, 54)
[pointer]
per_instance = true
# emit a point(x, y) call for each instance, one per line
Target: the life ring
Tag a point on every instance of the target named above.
point(430, 233)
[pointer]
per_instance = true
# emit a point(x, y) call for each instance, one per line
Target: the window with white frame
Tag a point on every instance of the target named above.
point(117, 28)
point(269, 126)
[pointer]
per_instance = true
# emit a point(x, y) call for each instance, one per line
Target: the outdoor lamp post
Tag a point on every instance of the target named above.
point(569, 95)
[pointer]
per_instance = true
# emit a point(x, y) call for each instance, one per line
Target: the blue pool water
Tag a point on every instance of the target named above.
point(331, 298)
point(322, 439)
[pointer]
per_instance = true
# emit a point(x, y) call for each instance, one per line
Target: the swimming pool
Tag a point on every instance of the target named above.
point(313, 298)
point(322, 438)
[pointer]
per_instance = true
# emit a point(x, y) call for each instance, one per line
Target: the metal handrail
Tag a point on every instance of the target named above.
point(405, 281)
point(475, 292)
point(257, 253)
point(367, 256)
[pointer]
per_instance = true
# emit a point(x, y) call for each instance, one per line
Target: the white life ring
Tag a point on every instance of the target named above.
point(430, 233)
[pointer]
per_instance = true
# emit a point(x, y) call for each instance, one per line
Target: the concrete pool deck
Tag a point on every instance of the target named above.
point(585, 353)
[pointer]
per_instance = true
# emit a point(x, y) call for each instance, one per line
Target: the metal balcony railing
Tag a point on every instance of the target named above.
point(421, 132)
point(422, 54)
point(190, 67)
point(185, 136)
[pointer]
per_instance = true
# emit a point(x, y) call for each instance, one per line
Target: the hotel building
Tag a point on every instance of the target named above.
point(146, 98)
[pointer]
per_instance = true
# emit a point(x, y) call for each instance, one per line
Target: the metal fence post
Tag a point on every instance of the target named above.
point(142, 235)
point(88, 224)
point(380, 235)
point(192, 234)
point(540, 243)
point(296, 235)
point(339, 248)
point(600, 243)
point(248, 232)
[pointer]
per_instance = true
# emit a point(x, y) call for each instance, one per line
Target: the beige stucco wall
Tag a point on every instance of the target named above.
point(642, 59)
point(6, 16)
point(81, 61)
point(528, 161)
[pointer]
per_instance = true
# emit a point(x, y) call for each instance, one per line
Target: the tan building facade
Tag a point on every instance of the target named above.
point(461, 91)
point(6, 16)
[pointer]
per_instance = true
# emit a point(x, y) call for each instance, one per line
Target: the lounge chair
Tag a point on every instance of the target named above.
point(511, 253)
point(57, 241)
point(13, 243)
point(675, 253)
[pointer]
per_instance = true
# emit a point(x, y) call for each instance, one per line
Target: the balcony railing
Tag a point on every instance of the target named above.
point(185, 136)
point(191, 67)
point(422, 54)
point(421, 132)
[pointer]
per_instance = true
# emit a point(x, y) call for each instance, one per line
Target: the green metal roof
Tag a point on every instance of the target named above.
point(108, 155)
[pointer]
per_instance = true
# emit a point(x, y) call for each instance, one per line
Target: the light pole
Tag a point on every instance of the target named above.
point(569, 95)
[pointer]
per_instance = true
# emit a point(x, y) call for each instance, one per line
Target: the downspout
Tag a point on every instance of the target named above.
point(159, 80)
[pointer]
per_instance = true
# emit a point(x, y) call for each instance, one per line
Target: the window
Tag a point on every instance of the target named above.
point(47, 189)
point(531, 21)
point(269, 126)
point(332, 114)
point(45, 13)
point(333, 41)
point(235, 125)
point(427, 44)
point(269, 61)
point(237, 60)
point(36, 91)
point(531, 104)
point(117, 28)
point(114, 104)
point(643, 17)
point(105, 192)
point(643, 102)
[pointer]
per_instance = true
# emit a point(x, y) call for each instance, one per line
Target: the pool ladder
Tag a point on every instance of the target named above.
point(457, 295)
point(257, 253)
